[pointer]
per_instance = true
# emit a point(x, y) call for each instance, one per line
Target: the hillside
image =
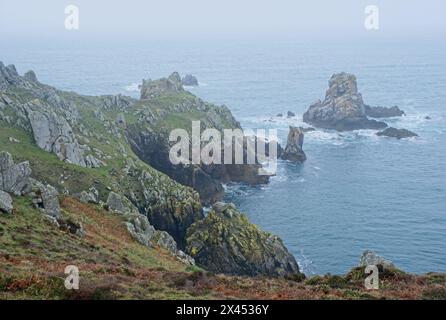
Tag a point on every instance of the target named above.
point(85, 182)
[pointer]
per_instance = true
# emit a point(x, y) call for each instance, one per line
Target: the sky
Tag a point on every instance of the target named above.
point(145, 19)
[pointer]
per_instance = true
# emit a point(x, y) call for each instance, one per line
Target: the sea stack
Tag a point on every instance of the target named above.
point(293, 150)
point(343, 108)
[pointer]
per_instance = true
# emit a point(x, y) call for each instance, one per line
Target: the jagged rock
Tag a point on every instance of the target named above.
point(383, 112)
point(189, 80)
point(169, 206)
point(226, 242)
point(154, 88)
point(290, 114)
point(93, 162)
point(46, 198)
point(293, 150)
point(166, 241)
point(140, 228)
point(5, 202)
point(117, 102)
point(30, 76)
point(120, 204)
point(10, 77)
point(53, 133)
point(14, 178)
point(371, 258)
point(397, 133)
point(90, 196)
point(343, 108)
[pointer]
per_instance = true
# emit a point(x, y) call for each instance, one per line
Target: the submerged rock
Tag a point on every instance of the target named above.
point(293, 150)
point(189, 80)
point(384, 112)
point(397, 133)
point(343, 108)
point(226, 242)
point(5, 202)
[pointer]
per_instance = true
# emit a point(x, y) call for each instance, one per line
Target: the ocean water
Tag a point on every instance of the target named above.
point(356, 191)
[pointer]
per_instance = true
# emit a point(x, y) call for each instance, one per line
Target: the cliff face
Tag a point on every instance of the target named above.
point(165, 106)
point(112, 152)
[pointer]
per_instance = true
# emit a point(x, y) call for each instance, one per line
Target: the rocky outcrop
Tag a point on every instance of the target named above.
point(383, 112)
point(46, 197)
point(53, 133)
point(290, 114)
point(226, 242)
point(120, 204)
point(140, 228)
point(397, 133)
point(142, 231)
point(5, 202)
point(189, 80)
point(14, 178)
point(154, 147)
point(371, 258)
point(154, 88)
point(293, 150)
point(343, 108)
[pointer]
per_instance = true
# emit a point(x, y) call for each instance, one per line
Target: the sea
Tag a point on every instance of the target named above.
point(356, 191)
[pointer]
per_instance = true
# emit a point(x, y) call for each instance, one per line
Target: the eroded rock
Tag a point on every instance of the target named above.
point(6, 202)
point(343, 108)
point(397, 133)
point(293, 150)
point(226, 242)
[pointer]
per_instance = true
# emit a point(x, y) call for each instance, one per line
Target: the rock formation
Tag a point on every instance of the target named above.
point(371, 258)
point(14, 178)
point(5, 202)
point(293, 150)
point(383, 112)
point(154, 88)
point(342, 109)
point(226, 242)
point(397, 133)
point(189, 80)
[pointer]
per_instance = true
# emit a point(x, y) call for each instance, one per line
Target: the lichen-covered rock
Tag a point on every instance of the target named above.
point(5, 202)
point(140, 228)
point(53, 133)
point(226, 242)
point(343, 108)
point(14, 178)
point(120, 204)
point(397, 133)
point(166, 241)
point(154, 88)
point(90, 196)
point(293, 150)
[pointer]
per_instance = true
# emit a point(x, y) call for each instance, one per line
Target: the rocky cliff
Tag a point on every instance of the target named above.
point(110, 152)
point(343, 107)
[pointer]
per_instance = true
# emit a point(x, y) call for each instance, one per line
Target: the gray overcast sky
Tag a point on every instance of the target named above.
point(195, 18)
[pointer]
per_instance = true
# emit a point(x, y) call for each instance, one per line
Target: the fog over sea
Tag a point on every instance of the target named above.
point(356, 191)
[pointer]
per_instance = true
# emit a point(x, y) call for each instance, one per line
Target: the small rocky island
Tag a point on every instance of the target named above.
point(293, 150)
point(397, 133)
point(189, 81)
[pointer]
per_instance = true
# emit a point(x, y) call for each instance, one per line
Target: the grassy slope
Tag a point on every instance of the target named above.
point(34, 254)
